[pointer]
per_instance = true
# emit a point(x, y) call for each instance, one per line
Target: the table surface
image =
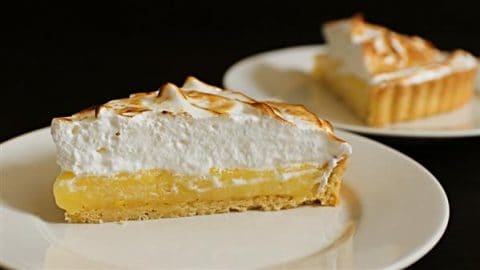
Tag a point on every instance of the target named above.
point(63, 59)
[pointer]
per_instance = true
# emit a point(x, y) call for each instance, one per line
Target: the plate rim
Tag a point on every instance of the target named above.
point(420, 251)
point(400, 133)
point(404, 261)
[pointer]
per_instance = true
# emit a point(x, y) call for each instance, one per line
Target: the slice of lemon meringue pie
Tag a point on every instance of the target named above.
point(193, 150)
point(386, 77)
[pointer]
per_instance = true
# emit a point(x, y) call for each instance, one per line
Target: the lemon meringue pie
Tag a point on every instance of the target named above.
point(385, 77)
point(193, 150)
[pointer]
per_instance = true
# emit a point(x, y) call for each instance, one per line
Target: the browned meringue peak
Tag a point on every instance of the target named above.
point(197, 99)
point(385, 50)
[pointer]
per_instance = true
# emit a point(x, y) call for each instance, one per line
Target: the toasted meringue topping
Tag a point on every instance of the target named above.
point(376, 53)
point(191, 130)
point(201, 100)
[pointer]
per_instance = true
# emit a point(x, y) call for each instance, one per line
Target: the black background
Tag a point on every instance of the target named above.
point(61, 59)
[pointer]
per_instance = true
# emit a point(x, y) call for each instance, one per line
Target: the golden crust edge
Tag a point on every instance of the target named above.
point(392, 102)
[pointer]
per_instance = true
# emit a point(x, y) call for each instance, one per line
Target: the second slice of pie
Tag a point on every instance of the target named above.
point(193, 150)
point(385, 77)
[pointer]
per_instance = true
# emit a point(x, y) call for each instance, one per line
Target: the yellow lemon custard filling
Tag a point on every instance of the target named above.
point(161, 193)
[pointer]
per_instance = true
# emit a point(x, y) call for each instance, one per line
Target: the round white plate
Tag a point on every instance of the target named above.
point(392, 212)
point(284, 74)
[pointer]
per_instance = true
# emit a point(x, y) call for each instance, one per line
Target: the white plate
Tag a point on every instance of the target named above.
point(284, 74)
point(393, 211)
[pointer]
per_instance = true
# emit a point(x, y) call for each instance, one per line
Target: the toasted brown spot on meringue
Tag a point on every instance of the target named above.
point(137, 101)
point(214, 103)
point(90, 112)
point(65, 118)
point(270, 111)
point(243, 97)
point(132, 111)
point(300, 112)
point(297, 110)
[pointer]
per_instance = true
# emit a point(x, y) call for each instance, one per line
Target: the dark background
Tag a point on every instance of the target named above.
point(61, 59)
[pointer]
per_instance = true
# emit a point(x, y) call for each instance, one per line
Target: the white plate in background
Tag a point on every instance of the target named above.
point(284, 75)
point(392, 212)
